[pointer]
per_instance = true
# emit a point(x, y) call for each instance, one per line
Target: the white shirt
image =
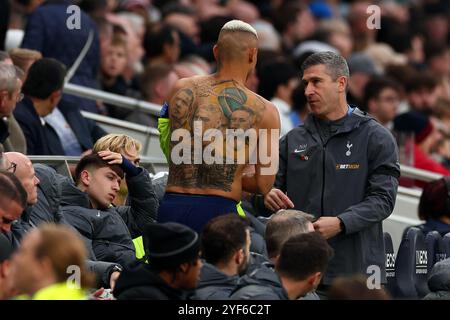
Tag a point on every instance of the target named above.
point(284, 111)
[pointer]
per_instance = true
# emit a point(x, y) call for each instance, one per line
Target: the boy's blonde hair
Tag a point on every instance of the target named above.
point(116, 143)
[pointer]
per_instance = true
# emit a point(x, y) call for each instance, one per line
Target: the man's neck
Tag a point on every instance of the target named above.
point(229, 269)
point(94, 204)
point(169, 280)
point(337, 114)
point(42, 283)
point(294, 289)
point(227, 73)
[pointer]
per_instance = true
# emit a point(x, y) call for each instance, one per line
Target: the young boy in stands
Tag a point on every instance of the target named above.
point(87, 205)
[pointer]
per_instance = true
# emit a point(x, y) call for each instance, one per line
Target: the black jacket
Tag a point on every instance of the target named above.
point(256, 260)
point(214, 284)
point(352, 175)
point(42, 139)
point(262, 284)
point(47, 210)
point(112, 230)
point(139, 282)
point(33, 129)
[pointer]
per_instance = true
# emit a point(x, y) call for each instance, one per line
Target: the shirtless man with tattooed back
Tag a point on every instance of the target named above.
point(218, 128)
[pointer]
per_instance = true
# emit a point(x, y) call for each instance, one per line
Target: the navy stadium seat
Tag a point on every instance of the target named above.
point(446, 243)
point(435, 248)
point(411, 265)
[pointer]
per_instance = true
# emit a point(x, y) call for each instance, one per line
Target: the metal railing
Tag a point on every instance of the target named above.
point(147, 134)
point(62, 163)
point(419, 174)
point(111, 98)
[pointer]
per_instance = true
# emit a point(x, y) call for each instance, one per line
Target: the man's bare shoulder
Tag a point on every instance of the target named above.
point(266, 109)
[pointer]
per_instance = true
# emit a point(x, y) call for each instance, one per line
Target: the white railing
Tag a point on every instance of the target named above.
point(130, 103)
point(62, 163)
point(419, 174)
point(147, 136)
point(111, 98)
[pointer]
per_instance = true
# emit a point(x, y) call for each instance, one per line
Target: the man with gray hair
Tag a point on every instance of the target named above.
point(283, 225)
point(10, 86)
point(339, 146)
point(204, 186)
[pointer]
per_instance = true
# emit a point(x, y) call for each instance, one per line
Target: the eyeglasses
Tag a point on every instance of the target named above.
point(12, 167)
point(20, 97)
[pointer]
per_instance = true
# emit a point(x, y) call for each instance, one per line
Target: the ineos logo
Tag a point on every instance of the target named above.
point(390, 260)
point(421, 257)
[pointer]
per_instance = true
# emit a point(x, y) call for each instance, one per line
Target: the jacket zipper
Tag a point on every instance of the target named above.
point(323, 179)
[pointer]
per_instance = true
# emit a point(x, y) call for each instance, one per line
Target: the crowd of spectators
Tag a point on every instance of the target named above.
point(399, 74)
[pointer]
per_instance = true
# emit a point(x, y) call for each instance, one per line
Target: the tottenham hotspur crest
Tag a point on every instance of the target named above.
point(349, 146)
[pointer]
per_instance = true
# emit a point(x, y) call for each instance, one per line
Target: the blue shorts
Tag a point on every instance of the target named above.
point(194, 211)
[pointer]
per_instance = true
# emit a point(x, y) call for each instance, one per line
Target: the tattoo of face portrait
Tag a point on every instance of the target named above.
point(210, 116)
point(181, 107)
point(242, 118)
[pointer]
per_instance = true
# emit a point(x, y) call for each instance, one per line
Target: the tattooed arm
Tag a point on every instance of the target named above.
point(267, 165)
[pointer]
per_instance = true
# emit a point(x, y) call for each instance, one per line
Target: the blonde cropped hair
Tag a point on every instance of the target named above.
point(117, 143)
point(238, 25)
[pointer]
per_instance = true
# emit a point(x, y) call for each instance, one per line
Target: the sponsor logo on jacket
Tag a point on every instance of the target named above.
point(348, 166)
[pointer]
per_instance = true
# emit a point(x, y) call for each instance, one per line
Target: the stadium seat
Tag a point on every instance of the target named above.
point(446, 243)
point(435, 248)
point(390, 263)
point(411, 265)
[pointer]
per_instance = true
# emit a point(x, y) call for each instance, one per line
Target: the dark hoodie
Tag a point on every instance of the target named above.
point(439, 281)
point(347, 169)
point(140, 282)
point(214, 284)
point(111, 230)
point(262, 284)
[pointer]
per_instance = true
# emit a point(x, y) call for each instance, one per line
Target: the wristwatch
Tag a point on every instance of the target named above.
point(115, 268)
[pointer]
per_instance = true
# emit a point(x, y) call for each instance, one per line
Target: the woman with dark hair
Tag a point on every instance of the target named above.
point(434, 207)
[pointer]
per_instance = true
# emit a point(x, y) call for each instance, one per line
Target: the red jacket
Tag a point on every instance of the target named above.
point(423, 161)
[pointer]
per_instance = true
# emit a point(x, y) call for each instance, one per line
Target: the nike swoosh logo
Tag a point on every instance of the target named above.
point(298, 151)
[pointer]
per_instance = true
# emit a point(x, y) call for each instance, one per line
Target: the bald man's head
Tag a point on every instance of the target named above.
point(24, 171)
point(238, 42)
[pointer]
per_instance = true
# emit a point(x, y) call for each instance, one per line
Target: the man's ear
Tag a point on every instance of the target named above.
point(239, 256)
point(216, 52)
point(275, 259)
point(85, 178)
point(314, 279)
point(184, 267)
point(252, 55)
point(342, 83)
point(55, 95)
